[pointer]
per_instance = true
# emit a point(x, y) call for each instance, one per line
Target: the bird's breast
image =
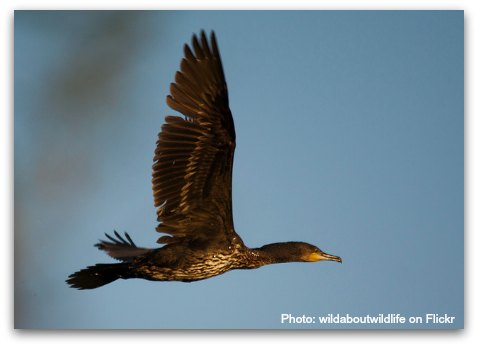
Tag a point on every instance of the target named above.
point(197, 265)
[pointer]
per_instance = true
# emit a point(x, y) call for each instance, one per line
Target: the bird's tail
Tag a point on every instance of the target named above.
point(98, 275)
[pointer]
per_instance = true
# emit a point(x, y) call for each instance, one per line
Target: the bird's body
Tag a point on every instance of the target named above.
point(192, 262)
point(192, 187)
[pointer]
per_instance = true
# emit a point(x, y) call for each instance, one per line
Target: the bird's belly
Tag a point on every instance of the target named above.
point(202, 268)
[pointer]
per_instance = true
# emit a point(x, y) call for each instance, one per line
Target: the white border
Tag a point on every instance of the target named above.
point(215, 338)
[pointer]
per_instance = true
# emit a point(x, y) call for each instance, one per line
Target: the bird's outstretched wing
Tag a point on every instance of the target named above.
point(192, 170)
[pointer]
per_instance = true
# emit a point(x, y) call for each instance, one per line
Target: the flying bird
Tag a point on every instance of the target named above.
point(192, 188)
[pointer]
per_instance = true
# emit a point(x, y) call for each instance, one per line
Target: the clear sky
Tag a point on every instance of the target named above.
point(349, 136)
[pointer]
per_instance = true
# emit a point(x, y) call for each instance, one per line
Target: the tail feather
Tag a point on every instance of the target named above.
point(98, 275)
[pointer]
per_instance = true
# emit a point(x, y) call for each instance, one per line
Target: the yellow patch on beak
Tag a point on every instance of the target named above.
point(315, 256)
point(318, 256)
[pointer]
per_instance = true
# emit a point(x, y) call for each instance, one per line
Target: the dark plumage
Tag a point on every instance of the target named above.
point(192, 184)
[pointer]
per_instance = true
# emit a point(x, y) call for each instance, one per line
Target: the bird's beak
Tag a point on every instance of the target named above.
point(319, 256)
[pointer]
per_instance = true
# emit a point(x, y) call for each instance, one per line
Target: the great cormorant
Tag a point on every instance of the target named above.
point(192, 184)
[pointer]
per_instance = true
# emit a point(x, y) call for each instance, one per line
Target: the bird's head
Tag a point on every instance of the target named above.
point(297, 252)
point(310, 252)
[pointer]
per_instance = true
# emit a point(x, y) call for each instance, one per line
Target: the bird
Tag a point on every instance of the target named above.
point(192, 189)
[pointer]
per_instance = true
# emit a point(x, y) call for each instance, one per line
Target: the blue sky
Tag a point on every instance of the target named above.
point(349, 136)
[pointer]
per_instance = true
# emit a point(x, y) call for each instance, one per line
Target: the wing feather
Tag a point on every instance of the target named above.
point(192, 170)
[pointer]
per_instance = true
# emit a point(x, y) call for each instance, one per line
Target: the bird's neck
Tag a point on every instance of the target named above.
point(272, 254)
